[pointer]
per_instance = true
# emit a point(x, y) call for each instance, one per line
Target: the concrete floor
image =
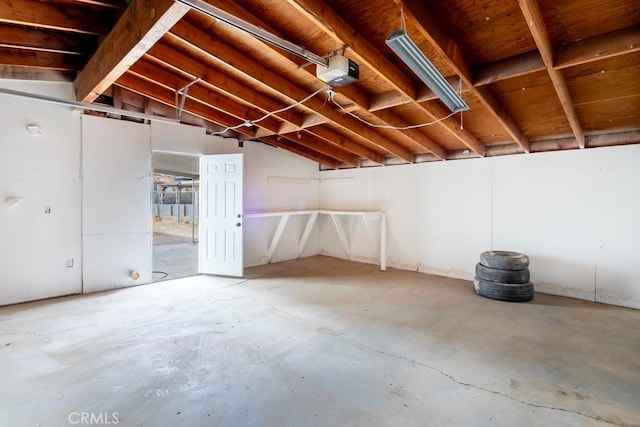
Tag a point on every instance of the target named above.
point(174, 253)
point(318, 341)
point(174, 261)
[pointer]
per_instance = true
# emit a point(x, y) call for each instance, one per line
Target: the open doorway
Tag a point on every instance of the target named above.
point(175, 216)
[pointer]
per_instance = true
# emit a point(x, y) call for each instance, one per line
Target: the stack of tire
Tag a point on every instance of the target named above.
point(504, 276)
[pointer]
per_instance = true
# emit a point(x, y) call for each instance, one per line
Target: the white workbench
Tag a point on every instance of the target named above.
point(367, 217)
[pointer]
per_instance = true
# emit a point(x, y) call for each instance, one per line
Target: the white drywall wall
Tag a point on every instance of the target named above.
point(44, 170)
point(617, 236)
point(545, 205)
point(575, 213)
point(116, 201)
point(422, 204)
point(178, 138)
point(274, 180)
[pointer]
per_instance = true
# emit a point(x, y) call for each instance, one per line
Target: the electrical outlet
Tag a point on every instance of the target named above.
point(47, 209)
point(70, 263)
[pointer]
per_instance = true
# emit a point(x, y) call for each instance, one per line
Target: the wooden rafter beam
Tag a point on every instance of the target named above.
point(46, 40)
point(198, 92)
point(167, 97)
point(615, 43)
point(93, 4)
point(323, 17)
point(302, 151)
point(146, 79)
point(206, 43)
point(337, 28)
point(141, 25)
point(52, 16)
point(27, 73)
point(454, 56)
point(621, 42)
point(235, 9)
point(41, 60)
point(394, 98)
point(385, 120)
point(388, 99)
point(507, 68)
point(387, 117)
point(352, 93)
point(316, 144)
point(151, 106)
point(555, 144)
point(104, 4)
point(313, 119)
point(179, 61)
point(319, 145)
point(533, 16)
point(615, 138)
point(341, 141)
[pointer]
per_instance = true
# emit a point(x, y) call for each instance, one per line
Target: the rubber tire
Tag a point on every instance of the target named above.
point(504, 260)
point(511, 292)
point(502, 276)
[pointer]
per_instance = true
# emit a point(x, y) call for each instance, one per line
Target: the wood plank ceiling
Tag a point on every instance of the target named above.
point(538, 75)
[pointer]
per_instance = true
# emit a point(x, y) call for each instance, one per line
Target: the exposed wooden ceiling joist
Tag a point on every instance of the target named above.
point(50, 16)
point(455, 58)
point(198, 92)
point(334, 138)
point(620, 42)
point(232, 88)
point(143, 75)
point(334, 26)
point(515, 66)
point(320, 146)
point(44, 40)
point(42, 60)
point(571, 79)
point(303, 151)
point(102, 3)
point(174, 59)
point(531, 11)
point(349, 92)
point(141, 25)
point(21, 72)
point(197, 39)
point(166, 96)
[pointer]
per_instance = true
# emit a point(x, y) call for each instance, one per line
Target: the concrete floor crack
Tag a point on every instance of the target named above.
point(477, 387)
point(439, 371)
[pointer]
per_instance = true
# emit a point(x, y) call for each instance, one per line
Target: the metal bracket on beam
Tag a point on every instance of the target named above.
point(184, 90)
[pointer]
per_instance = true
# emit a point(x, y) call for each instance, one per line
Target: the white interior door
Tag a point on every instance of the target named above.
point(221, 221)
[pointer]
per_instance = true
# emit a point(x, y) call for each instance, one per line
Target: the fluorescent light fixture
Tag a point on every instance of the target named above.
point(406, 49)
point(259, 33)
